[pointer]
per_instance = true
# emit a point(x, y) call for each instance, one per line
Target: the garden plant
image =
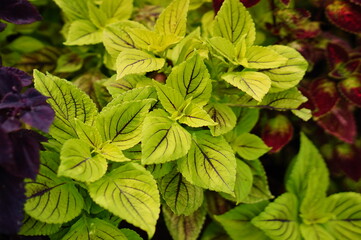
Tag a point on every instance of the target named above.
point(180, 119)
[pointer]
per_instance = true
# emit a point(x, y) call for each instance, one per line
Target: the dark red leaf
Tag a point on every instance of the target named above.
point(358, 2)
point(285, 2)
point(345, 15)
point(307, 30)
point(348, 158)
point(339, 122)
point(247, 3)
point(347, 69)
point(336, 54)
point(324, 95)
point(277, 133)
point(18, 11)
point(351, 89)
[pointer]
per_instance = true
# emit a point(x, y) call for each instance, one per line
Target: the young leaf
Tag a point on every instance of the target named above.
point(88, 134)
point(280, 218)
point(346, 215)
point(96, 16)
point(170, 98)
point(233, 21)
point(290, 73)
point(250, 146)
point(210, 163)
point(182, 197)
point(83, 32)
point(223, 47)
point(68, 103)
point(94, 228)
point(255, 84)
point(131, 193)
point(223, 115)
point(122, 124)
point(191, 79)
point(195, 116)
point(119, 9)
point(163, 139)
point(33, 227)
point(135, 94)
point(74, 10)
point(172, 21)
point(263, 58)
point(78, 163)
point(136, 61)
point(184, 227)
point(237, 221)
point(113, 152)
point(52, 199)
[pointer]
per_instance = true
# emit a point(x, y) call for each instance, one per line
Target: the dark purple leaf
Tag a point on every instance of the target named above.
point(11, 124)
point(8, 82)
point(345, 15)
point(336, 55)
point(18, 11)
point(348, 158)
point(6, 150)
point(12, 199)
point(324, 95)
point(351, 89)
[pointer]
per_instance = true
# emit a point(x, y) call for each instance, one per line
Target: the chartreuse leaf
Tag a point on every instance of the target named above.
point(113, 152)
point(173, 20)
point(345, 222)
point(195, 116)
point(74, 10)
point(181, 196)
point(247, 119)
point(237, 221)
point(68, 102)
point(255, 84)
point(140, 93)
point(233, 21)
point(119, 9)
point(259, 190)
point(160, 170)
point(286, 100)
point(96, 16)
point(279, 220)
point(131, 234)
point(244, 180)
point(163, 139)
point(184, 227)
point(52, 199)
point(170, 98)
point(210, 163)
point(83, 32)
point(88, 134)
point(136, 61)
point(250, 146)
point(223, 47)
point(223, 115)
point(78, 162)
point(191, 79)
point(131, 193)
point(263, 58)
point(122, 124)
point(315, 232)
point(94, 228)
point(288, 74)
point(33, 227)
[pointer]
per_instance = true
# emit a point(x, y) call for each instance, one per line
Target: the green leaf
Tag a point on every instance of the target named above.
point(163, 139)
point(247, 119)
point(289, 99)
point(52, 199)
point(68, 102)
point(170, 98)
point(346, 215)
point(263, 58)
point(315, 232)
point(123, 124)
point(307, 159)
point(250, 146)
point(210, 163)
point(83, 32)
point(223, 115)
point(214, 231)
point(184, 227)
point(33, 227)
point(94, 228)
point(119, 9)
point(129, 82)
point(160, 170)
point(289, 74)
point(260, 190)
point(195, 116)
point(77, 162)
point(304, 113)
point(181, 196)
point(136, 61)
point(255, 84)
point(173, 20)
point(96, 16)
point(280, 218)
point(131, 193)
point(233, 21)
point(224, 48)
point(113, 152)
point(192, 80)
point(88, 134)
point(244, 180)
point(130, 234)
point(74, 10)
point(69, 62)
point(237, 221)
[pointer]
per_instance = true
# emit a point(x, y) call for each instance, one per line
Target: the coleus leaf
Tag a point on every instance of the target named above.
point(163, 139)
point(160, 170)
point(170, 98)
point(194, 116)
point(130, 192)
point(96, 16)
point(182, 197)
point(83, 32)
point(280, 218)
point(277, 132)
point(346, 157)
point(223, 116)
point(249, 146)
point(112, 152)
point(119, 10)
point(224, 48)
point(315, 231)
point(351, 89)
point(347, 69)
point(247, 3)
point(233, 21)
point(139, 93)
point(259, 57)
point(51, 199)
point(184, 227)
point(74, 10)
point(237, 221)
point(344, 15)
point(336, 54)
point(210, 163)
point(33, 227)
point(19, 12)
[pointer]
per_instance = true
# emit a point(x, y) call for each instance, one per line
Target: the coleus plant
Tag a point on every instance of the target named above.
point(158, 143)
